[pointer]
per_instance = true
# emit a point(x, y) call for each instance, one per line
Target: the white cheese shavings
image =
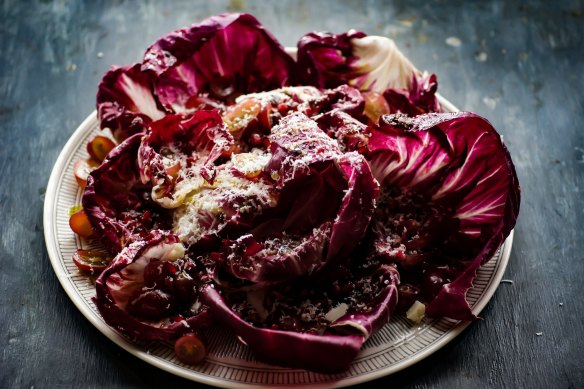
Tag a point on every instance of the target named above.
point(297, 93)
point(263, 97)
point(202, 209)
point(416, 312)
point(336, 313)
point(251, 164)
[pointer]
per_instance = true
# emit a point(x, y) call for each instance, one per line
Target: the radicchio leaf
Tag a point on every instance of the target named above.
point(368, 63)
point(117, 204)
point(317, 184)
point(330, 353)
point(125, 103)
point(458, 163)
point(364, 62)
point(341, 99)
point(277, 257)
point(336, 113)
point(319, 329)
point(223, 57)
point(350, 133)
point(176, 142)
point(419, 98)
point(356, 208)
point(296, 144)
point(375, 292)
point(326, 60)
point(122, 287)
point(239, 195)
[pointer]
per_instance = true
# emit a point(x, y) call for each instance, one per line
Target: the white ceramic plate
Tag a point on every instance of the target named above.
point(229, 363)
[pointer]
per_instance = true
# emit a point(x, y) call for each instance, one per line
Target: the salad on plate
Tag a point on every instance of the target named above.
point(301, 202)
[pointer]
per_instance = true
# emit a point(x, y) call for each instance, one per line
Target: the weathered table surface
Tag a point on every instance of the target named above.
point(518, 65)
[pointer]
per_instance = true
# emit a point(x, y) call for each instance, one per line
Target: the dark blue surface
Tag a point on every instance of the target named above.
point(518, 65)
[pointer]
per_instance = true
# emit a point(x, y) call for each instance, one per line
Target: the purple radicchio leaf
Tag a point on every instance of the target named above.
point(294, 244)
point(178, 140)
point(340, 99)
point(147, 292)
point(324, 196)
point(231, 206)
point(320, 329)
point(326, 60)
point(371, 63)
point(368, 63)
point(350, 133)
point(329, 353)
point(456, 177)
point(125, 102)
point(356, 209)
point(296, 144)
point(319, 183)
point(276, 257)
point(375, 293)
point(117, 204)
point(222, 57)
point(419, 98)
point(337, 113)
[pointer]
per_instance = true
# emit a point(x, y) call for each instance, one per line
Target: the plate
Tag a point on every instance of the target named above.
point(229, 363)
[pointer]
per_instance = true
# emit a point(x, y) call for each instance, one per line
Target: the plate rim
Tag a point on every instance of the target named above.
point(49, 226)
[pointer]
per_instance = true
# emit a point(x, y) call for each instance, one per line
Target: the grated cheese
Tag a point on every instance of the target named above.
point(251, 164)
point(201, 210)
